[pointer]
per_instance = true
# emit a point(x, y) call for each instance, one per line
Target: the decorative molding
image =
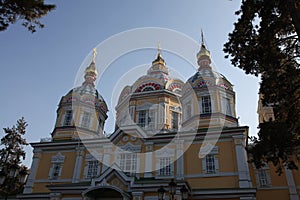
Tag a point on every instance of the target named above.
point(59, 158)
point(165, 152)
point(129, 147)
point(211, 175)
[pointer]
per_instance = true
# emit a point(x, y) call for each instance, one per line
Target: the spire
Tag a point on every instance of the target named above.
point(202, 37)
point(91, 71)
point(203, 55)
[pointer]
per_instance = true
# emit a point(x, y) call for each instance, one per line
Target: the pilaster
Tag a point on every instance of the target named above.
point(34, 166)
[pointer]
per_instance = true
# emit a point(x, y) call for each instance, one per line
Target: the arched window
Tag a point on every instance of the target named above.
point(148, 88)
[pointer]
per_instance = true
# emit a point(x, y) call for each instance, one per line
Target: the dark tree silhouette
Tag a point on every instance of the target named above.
point(12, 153)
point(265, 42)
point(28, 12)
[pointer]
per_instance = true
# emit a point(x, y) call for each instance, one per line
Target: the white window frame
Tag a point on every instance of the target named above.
point(128, 162)
point(188, 110)
point(165, 161)
point(177, 120)
point(263, 178)
point(68, 118)
point(92, 166)
point(205, 106)
point(226, 106)
point(149, 119)
point(166, 167)
point(56, 171)
point(85, 119)
point(210, 164)
point(212, 157)
point(56, 166)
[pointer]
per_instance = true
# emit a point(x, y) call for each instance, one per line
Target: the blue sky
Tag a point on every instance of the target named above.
point(37, 69)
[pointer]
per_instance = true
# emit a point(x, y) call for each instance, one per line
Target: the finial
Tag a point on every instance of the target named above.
point(158, 48)
point(94, 55)
point(159, 58)
point(203, 54)
point(202, 37)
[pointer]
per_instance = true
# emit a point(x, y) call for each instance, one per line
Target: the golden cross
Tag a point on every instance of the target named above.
point(94, 54)
point(158, 48)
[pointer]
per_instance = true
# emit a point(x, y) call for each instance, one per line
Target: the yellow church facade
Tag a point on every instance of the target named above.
point(172, 140)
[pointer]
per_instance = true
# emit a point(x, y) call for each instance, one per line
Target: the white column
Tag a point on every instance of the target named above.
point(291, 184)
point(180, 160)
point(34, 165)
point(106, 157)
point(148, 160)
point(241, 157)
point(78, 164)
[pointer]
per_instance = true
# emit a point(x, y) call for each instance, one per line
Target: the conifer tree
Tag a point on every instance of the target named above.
point(11, 155)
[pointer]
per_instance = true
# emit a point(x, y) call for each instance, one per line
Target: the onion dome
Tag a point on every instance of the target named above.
point(203, 51)
point(159, 69)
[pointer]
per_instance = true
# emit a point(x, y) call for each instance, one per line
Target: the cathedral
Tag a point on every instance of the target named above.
point(174, 139)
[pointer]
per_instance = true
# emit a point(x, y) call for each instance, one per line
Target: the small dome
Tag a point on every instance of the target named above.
point(87, 89)
point(208, 77)
point(203, 52)
point(91, 69)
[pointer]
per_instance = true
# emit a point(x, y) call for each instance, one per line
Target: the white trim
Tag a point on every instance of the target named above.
point(148, 164)
point(59, 158)
point(34, 166)
point(180, 160)
point(291, 184)
point(52, 180)
point(211, 175)
point(77, 167)
point(241, 157)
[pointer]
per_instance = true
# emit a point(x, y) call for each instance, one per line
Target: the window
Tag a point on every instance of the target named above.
point(263, 178)
point(142, 116)
point(146, 118)
point(128, 162)
point(174, 120)
point(210, 161)
point(165, 167)
point(56, 166)
point(151, 119)
point(100, 125)
point(206, 104)
point(188, 111)
point(148, 89)
point(93, 168)
point(85, 119)
point(210, 164)
point(68, 118)
point(227, 106)
point(56, 171)
point(92, 165)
